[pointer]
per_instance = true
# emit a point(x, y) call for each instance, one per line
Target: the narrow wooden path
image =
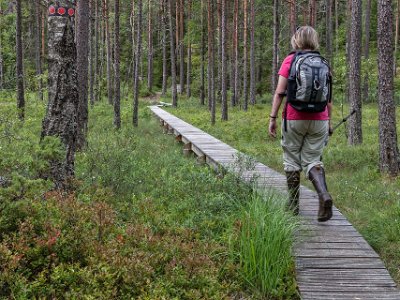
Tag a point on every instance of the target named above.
point(333, 261)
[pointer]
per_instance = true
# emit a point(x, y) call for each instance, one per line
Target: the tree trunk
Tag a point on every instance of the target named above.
point(189, 54)
point(329, 30)
point(61, 114)
point(150, 48)
point(355, 130)
point(117, 85)
point(396, 37)
point(38, 57)
point(20, 65)
point(181, 46)
point(313, 13)
point(223, 62)
point(92, 52)
point(388, 147)
point(172, 53)
point(1, 64)
point(252, 56)
point(366, 49)
point(234, 100)
point(96, 47)
point(211, 79)
point(164, 47)
point(292, 17)
point(82, 51)
point(137, 64)
point(245, 58)
point(109, 54)
point(202, 87)
point(275, 48)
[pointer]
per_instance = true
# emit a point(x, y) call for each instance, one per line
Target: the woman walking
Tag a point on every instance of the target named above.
point(305, 126)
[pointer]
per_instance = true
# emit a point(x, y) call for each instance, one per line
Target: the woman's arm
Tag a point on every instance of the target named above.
point(276, 104)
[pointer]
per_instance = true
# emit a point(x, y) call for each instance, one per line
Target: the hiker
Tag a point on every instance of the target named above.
point(305, 118)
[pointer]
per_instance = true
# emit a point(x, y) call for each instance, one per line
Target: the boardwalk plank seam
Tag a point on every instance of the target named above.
point(333, 261)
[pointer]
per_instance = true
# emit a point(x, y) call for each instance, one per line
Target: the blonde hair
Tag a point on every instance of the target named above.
point(305, 38)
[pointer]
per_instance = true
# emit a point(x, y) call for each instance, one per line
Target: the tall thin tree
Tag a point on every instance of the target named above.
point(149, 47)
point(189, 52)
point(202, 86)
point(109, 53)
point(172, 53)
point(252, 55)
point(355, 130)
point(388, 148)
point(224, 102)
point(164, 46)
point(117, 84)
point(211, 59)
point(235, 55)
point(82, 51)
point(366, 49)
point(38, 57)
point(275, 46)
point(245, 56)
point(137, 63)
point(329, 31)
point(20, 65)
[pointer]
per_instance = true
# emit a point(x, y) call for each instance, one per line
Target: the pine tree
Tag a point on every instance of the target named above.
point(117, 85)
point(20, 68)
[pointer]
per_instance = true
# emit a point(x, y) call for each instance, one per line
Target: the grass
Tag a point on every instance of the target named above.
point(144, 222)
point(368, 199)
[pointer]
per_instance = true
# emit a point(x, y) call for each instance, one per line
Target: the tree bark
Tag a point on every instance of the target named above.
point(396, 37)
point(150, 48)
point(275, 48)
point(38, 57)
point(211, 79)
point(355, 130)
point(252, 55)
point(388, 147)
point(82, 51)
point(92, 52)
point(164, 47)
point(245, 58)
point(61, 114)
point(182, 46)
point(189, 53)
point(313, 13)
point(366, 49)
point(329, 30)
point(109, 54)
point(234, 100)
point(20, 64)
point(172, 53)
point(292, 17)
point(137, 64)
point(117, 85)
point(202, 87)
point(224, 102)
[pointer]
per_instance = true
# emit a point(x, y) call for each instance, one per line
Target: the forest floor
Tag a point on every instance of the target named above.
point(144, 222)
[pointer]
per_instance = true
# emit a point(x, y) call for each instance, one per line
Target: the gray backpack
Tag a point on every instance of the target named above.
point(309, 83)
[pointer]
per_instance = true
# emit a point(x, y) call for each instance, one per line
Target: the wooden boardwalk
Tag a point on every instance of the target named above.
point(333, 261)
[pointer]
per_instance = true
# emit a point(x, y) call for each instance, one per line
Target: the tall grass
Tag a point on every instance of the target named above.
point(263, 246)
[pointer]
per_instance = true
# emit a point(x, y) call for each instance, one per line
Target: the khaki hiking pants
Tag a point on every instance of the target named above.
point(303, 143)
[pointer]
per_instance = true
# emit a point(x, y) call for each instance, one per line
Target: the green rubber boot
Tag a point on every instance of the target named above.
point(317, 177)
point(293, 182)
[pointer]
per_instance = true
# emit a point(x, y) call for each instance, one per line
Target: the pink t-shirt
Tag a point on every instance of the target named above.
point(292, 113)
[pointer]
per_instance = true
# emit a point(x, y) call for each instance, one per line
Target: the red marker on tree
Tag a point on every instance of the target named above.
point(61, 11)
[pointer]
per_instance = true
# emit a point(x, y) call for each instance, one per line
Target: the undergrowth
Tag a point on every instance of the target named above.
point(143, 223)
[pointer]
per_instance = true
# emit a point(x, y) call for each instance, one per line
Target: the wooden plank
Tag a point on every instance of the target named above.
point(315, 295)
point(320, 253)
point(339, 263)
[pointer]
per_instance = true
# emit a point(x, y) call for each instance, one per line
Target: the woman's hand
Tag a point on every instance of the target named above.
point(272, 127)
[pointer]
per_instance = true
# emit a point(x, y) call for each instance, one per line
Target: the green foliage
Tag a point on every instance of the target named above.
point(263, 246)
point(144, 223)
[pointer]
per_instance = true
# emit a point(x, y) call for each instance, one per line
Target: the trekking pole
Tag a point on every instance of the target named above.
point(343, 120)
